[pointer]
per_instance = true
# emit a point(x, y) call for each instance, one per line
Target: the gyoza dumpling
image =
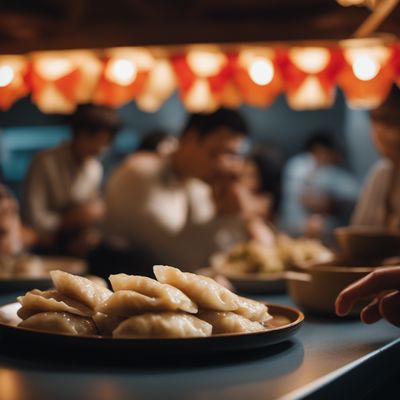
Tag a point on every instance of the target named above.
point(106, 323)
point(252, 310)
point(60, 322)
point(168, 296)
point(126, 303)
point(163, 325)
point(36, 301)
point(229, 322)
point(204, 291)
point(80, 288)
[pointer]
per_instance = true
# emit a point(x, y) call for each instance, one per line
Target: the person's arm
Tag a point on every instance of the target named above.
point(36, 199)
point(382, 288)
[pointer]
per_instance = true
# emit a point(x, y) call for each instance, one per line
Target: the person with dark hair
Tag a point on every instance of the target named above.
point(61, 192)
point(158, 141)
point(379, 203)
point(179, 209)
point(317, 193)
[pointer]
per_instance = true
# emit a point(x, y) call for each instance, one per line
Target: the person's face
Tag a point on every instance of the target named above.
point(92, 145)
point(218, 154)
point(250, 176)
point(9, 224)
point(325, 156)
point(387, 139)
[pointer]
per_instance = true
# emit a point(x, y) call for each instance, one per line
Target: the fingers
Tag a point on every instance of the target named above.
point(370, 313)
point(382, 279)
point(389, 308)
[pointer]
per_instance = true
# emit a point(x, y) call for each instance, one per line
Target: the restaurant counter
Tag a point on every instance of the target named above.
point(327, 358)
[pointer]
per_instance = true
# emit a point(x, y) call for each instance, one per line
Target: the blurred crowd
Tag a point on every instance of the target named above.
point(180, 198)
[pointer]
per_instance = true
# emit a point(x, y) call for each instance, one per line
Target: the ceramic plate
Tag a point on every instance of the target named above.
point(284, 324)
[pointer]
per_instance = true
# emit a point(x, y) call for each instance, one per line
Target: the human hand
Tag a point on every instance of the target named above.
point(383, 285)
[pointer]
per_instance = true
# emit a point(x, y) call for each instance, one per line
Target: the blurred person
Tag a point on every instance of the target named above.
point(318, 194)
point(61, 197)
point(379, 202)
point(182, 208)
point(159, 141)
point(14, 236)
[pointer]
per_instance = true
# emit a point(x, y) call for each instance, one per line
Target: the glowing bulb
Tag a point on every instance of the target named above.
point(121, 71)
point(6, 75)
point(365, 68)
point(54, 68)
point(204, 63)
point(261, 71)
point(311, 60)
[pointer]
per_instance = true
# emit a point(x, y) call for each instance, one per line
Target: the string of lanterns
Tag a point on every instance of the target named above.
point(206, 77)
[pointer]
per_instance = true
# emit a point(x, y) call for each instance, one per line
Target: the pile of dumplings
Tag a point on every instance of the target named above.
point(177, 304)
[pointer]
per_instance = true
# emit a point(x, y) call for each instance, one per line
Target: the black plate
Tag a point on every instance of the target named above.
point(286, 321)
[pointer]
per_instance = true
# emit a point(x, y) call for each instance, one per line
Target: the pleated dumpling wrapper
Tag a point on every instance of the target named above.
point(253, 310)
point(37, 301)
point(80, 289)
point(60, 322)
point(160, 296)
point(163, 325)
point(106, 323)
point(229, 322)
point(204, 291)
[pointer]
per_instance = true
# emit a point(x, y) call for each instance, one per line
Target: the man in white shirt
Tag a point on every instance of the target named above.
point(181, 209)
point(61, 197)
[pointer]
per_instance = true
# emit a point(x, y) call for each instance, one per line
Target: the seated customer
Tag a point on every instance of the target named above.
point(379, 203)
point(61, 198)
point(318, 194)
point(180, 209)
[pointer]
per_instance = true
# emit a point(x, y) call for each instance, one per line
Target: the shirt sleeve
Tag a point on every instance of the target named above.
point(36, 202)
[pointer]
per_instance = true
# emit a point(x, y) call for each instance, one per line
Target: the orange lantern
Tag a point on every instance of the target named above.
point(368, 72)
point(124, 75)
point(13, 85)
point(257, 76)
point(310, 76)
point(396, 62)
point(159, 86)
point(203, 79)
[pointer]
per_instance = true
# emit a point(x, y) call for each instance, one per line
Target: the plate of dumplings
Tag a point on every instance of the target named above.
point(176, 313)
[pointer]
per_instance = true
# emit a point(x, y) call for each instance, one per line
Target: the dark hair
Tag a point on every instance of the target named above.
point(152, 139)
point(92, 118)
point(389, 110)
point(321, 138)
point(204, 124)
point(5, 193)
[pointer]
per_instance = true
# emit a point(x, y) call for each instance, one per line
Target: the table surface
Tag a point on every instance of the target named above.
point(324, 352)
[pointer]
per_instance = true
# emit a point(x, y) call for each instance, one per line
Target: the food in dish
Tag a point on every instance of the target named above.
point(60, 322)
point(254, 258)
point(204, 291)
point(23, 266)
point(178, 304)
point(229, 322)
point(167, 324)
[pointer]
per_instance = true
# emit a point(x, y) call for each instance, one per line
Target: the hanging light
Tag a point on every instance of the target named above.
point(257, 76)
point(13, 84)
point(6, 75)
point(121, 71)
point(159, 86)
point(310, 74)
point(124, 75)
point(368, 71)
point(203, 78)
point(261, 71)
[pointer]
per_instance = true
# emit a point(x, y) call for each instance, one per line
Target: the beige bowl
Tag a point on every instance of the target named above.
point(367, 242)
point(321, 284)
